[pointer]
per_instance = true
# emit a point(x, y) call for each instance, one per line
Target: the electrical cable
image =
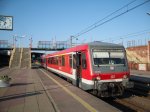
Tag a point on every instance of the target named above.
point(130, 34)
point(107, 16)
point(97, 25)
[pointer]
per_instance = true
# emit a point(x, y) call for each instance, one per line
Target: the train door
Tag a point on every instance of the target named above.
point(73, 64)
point(78, 69)
point(81, 68)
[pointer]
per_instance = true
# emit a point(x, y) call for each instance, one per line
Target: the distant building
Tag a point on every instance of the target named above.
point(139, 57)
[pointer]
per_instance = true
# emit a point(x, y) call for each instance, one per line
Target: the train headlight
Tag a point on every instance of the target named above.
point(125, 76)
point(98, 78)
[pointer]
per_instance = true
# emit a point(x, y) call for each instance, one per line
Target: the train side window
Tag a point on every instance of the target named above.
point(74, 61)
point(59, 58)
point(49, 60)
point(56, 60)
point(52, 60)
point(84, 63)
point(70, 61)
point(63, 60)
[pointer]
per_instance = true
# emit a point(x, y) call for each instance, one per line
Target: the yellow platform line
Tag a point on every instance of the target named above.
point(85, 104)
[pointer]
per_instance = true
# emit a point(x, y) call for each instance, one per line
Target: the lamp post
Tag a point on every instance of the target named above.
point(20, 37)
point(30, 42)
point(14, 41)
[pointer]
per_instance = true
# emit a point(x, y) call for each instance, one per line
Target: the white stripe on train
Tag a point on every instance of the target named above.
point(89, 82)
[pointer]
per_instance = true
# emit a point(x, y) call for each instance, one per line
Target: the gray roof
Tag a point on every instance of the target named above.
point(99, 43)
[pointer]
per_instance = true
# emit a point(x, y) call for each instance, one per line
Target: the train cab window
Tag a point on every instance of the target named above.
point(63, 60)
point(84, 63)
point(108, 57)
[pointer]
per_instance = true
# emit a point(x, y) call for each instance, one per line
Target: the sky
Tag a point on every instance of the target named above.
point(46, 20)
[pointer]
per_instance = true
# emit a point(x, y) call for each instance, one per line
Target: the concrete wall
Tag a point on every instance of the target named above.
point(141, 53)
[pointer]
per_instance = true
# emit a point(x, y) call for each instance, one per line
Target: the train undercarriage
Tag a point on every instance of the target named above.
point(110, 89)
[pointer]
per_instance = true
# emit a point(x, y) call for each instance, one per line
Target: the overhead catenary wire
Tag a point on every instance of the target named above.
point(97, 24)
point(142, 32)
point(106, 16)
point(122, 37)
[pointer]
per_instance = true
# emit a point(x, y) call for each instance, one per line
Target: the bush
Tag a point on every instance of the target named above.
point(5, 78)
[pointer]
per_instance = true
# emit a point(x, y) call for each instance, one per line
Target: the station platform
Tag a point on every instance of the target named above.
point(38, 90)
point(140, 73)
point(142, 77)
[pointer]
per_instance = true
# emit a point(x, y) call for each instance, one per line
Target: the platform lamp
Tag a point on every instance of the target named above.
point(14, 41)
point(20, 37)
point(31, 40)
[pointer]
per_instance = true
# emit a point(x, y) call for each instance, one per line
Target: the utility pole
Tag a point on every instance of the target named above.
point(20, 37)
point(71, 41)
point(31, 42)
point(14, 41)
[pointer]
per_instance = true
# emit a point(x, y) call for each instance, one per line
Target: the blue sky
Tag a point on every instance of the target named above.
point(47, 19)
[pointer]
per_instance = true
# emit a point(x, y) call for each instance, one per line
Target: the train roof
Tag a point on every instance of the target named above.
point(99, 43)
point(85, 46)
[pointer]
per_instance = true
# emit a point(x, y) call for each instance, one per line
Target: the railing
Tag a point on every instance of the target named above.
point(30, 58)
point(53, 44)
point(21, 56)
point(11, 58)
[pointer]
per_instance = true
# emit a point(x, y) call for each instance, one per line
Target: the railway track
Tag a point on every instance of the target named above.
point(134, 100)
point(130, 103)
point(136, 103)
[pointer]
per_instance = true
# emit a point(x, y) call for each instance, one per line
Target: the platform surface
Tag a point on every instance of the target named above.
point(140, 73)
point(38, 90)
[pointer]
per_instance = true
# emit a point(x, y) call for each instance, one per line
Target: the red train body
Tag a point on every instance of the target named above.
point(97, 66)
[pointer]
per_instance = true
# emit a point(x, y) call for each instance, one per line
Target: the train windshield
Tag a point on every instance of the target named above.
point(108, 57)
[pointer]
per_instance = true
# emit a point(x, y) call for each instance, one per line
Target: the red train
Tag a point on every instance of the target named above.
point(97, 66)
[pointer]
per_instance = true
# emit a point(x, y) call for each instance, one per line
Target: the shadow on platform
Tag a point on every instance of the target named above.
point(21, 95)
point(20, 84)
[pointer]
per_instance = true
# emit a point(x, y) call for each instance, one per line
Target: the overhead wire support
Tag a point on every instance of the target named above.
point(95, 25)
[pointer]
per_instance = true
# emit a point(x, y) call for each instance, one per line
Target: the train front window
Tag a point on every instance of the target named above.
point(108, 57)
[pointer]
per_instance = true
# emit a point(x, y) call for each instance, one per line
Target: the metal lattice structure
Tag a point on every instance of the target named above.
point(52, 45)
point(4, 44)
